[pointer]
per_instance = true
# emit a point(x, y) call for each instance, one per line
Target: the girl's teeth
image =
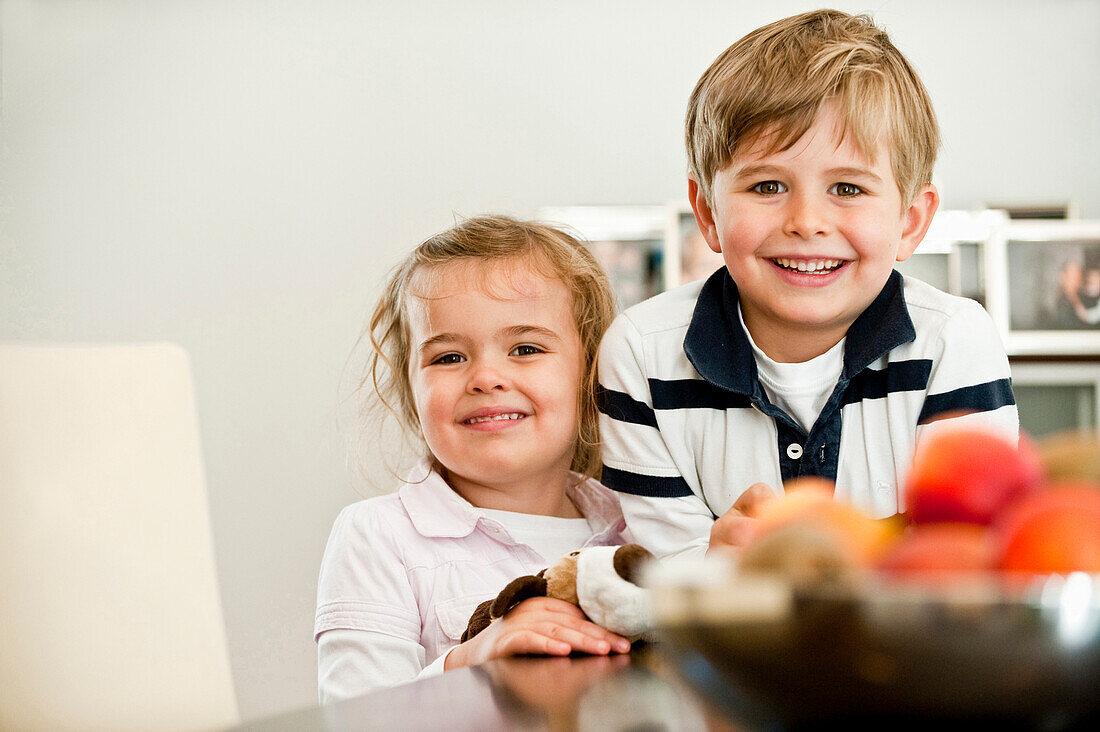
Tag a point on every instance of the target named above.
point(495, 418)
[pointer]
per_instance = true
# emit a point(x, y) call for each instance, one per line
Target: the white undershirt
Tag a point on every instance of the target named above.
point(551, 536)
point(799, 389)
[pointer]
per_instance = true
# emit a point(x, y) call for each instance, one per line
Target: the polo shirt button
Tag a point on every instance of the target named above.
point(794, 451)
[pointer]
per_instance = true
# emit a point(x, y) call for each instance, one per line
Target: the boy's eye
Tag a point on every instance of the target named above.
point(846, 190)
point(525, 350)
point(769, 187)
point(449, 358)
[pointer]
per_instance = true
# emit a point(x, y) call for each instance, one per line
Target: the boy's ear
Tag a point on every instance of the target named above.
point(704, 215)
point(917, 219)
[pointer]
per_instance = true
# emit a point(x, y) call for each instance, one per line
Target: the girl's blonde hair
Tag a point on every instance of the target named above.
point(772, 83)
point(549, 252)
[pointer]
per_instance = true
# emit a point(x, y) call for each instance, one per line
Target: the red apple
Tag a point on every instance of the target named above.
point(969, 475)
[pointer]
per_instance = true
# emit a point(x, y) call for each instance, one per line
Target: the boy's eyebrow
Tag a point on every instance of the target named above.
point(762, 170)
point(854, 173)
point(753, 171)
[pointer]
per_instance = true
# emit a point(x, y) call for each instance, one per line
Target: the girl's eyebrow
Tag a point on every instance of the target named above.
point(512, 331)
point(438, 339)
point(520, 331)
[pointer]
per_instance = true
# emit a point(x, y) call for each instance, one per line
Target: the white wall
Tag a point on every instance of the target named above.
point(236, 177)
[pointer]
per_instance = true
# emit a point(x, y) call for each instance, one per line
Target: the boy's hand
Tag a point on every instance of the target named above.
point(541, 625)
point(735, 528)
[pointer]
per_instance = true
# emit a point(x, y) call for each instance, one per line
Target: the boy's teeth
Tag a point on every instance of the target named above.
point(495, 418)
point(802, 265)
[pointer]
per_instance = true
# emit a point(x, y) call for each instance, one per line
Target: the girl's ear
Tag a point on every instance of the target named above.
point(704, 214)
point(917, 219)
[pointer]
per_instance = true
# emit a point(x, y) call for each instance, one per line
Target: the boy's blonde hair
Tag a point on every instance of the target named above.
point(484, 240)
point(771, 85)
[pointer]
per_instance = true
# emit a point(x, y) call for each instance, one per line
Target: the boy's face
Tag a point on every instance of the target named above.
point(810, 235)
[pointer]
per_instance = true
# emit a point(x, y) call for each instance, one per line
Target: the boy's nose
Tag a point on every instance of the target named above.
point(806, 217)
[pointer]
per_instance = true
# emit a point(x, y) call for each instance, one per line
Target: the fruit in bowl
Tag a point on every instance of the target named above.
point(982, 604)
point(807, 535)
point(969, 474)
point(976, 501)
point(938, 548)
point(1054, 531)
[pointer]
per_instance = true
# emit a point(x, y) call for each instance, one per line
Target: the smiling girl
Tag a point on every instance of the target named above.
point(484, 346)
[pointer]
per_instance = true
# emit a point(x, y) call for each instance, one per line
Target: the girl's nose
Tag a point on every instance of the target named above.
point(486, 377)
point(806, 217)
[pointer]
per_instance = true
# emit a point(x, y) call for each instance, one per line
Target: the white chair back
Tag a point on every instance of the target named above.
point(110, 615)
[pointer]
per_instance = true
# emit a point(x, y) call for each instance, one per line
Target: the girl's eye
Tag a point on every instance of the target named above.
point(845, 190)
point(769, 187)
point(449, 358)
point(525, 350)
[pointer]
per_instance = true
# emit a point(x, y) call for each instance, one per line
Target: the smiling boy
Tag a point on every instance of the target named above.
point(811, 143)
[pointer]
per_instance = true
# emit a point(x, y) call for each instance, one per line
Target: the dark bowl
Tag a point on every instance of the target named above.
point(1019, 650)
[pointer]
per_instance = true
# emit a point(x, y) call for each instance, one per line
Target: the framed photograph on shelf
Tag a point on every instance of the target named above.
point(1032, 210)
point(688, 253)
point(628, 242)
point(951, 255)
point(1043, 286)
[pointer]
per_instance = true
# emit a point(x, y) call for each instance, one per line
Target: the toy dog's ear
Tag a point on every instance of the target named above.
point(516, 592)
point(479, 621)
point(628, 561)
point(513, 593)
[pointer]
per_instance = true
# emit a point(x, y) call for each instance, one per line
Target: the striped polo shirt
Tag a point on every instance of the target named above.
point(687, 427)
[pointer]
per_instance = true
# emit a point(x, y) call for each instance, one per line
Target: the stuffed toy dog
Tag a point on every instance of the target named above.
point(601, 580)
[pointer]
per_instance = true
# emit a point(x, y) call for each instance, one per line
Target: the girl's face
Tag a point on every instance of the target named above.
point(495, 367)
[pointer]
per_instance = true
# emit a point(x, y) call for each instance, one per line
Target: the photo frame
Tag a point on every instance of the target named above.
point(1043, 286)
point(628, 242)
point(690, 257)
point(951, 255)
point(1041, 210)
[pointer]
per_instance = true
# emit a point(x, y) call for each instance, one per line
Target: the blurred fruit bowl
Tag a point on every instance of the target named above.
point(1016, 649)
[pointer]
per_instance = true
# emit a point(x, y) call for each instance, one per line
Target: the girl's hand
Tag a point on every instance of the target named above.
point(540, 625)
point(736, 527)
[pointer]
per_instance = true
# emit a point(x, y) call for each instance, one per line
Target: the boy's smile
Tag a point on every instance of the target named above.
point(495, 372)
point(810, 235)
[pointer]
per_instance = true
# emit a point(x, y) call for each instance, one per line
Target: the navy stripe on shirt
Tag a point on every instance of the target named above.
point(644, 485)
point(624, 408)
point(978, 398)
point(909, 375)
point(694, 393)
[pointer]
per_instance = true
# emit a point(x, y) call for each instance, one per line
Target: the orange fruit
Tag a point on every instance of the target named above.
point(940, 548)
point(969, 475)
point(808, 503)
point(801, 497)
point(1053, 531)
